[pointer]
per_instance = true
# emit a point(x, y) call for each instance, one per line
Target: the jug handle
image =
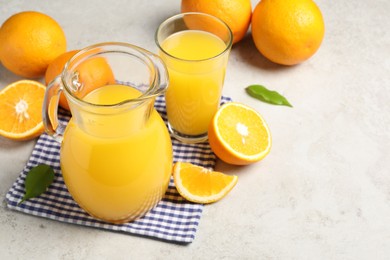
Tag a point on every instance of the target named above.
point(52, 125)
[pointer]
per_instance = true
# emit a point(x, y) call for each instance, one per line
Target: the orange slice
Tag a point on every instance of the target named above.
point(201, 185)
point(21, 110)
point(239, 135)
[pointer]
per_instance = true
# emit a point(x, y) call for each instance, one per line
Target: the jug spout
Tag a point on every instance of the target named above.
point(162, 78)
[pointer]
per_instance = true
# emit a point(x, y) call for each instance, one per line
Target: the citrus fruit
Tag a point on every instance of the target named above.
point(239, 135)
point(93, 73)
point(287, 32)
point(200, 185)
point(29, 41)
point(21, 110)
point(57, 65)
point(235, 13)
point(55, 68)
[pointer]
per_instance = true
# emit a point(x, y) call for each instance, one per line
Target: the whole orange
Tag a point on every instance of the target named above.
point(55, 68)
point(93, 73)
point(235, 13)
point(287, 32)
point(29, 42)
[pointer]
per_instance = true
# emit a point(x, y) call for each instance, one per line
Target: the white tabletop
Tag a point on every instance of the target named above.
point(322, 193)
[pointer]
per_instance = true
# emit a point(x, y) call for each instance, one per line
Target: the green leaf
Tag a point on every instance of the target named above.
point(269, 96)
point(37, 181)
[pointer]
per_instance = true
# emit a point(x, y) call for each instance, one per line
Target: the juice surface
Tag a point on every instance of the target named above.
point(196, 79)
point(116, 178)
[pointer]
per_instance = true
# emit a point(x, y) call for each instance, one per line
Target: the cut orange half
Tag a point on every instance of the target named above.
point(201, 185)
point(21, 110)
point(239, 135)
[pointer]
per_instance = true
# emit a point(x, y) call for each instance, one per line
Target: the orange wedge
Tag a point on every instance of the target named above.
point(200, 185)
point(21, 110)
point(239, 135)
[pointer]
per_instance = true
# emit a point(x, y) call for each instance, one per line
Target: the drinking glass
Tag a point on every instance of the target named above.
point(195, 48)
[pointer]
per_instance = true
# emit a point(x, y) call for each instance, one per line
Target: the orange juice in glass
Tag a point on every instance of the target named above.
point(195, 48)
point(116, 152)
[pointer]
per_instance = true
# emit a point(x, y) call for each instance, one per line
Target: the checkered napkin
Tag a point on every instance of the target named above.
point(173, 219)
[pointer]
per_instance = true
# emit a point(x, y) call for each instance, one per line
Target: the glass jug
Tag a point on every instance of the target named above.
point(116, 153)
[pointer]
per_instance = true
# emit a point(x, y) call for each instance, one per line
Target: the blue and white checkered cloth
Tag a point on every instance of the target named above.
point(173, 219)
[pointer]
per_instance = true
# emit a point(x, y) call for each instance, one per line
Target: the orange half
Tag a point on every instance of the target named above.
point(239, 135)
point(21, 110)
point(200, 185)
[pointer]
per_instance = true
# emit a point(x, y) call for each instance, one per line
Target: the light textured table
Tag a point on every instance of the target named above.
point(322, 193)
